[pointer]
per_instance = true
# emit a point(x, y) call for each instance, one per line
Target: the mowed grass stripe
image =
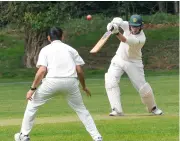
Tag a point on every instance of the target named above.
point(154, 128)
point(89, 83)
point(55, 119)
point(89, 80)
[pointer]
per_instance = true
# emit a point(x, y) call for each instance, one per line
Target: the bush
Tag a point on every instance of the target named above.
point(161, 18)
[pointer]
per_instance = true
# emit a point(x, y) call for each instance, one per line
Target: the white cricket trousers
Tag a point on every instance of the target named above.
point(134, 70)
point(46, 91)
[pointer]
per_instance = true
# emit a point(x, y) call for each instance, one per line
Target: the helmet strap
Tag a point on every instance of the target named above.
point(137, 32)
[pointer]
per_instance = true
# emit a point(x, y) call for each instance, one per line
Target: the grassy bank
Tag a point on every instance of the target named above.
point(159, 53)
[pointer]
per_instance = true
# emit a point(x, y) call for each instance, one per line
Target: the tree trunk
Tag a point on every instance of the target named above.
point(118, 8)
point(127, 11)
point(161, 6)
point(34, 41)
point(176, 6)
point(133, 8)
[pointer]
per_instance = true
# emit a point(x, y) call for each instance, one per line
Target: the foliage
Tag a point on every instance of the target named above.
point(54, 15)
point(43, 14)
point(161, 48)
point(11, 52)
point(37, 17)
point(161, 18)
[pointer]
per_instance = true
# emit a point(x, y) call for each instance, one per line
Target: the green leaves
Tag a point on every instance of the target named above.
point(37, 15)
point(42, 20)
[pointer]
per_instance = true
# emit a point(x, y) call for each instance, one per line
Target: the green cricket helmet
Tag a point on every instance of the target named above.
point(135, 20)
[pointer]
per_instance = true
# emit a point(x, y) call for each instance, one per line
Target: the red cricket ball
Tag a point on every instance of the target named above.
point(89, 17)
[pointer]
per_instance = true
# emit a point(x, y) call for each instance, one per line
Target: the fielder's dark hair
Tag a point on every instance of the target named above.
point(55, 33)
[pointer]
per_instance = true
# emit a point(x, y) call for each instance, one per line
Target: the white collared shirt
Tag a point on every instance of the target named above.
point(131, 49)
point(60, 60)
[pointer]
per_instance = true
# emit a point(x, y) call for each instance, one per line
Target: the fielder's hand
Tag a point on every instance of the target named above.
point(88, 93)
point(29, 95)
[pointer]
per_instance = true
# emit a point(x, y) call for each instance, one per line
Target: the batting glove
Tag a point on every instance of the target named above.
point(118, 21)
point(115, 30)
point(109, 26)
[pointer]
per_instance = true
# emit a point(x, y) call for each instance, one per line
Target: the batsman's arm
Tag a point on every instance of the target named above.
point(80, 74)
point(39, 76)
point(121, 37)
point(120, 23)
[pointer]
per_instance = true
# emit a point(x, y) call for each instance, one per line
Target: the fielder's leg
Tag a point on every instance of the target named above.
point(75, 101)
point(41, 96)
point(135, 72)
point(112, 78)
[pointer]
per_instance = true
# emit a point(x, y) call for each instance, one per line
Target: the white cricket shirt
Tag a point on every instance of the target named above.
point(60, 60)
point(131, 49)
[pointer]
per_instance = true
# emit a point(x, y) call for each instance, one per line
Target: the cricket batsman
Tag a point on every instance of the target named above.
point(61, 66)
point(128, 59)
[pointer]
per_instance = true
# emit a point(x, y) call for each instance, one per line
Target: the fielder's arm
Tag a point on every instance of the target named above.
point(80, 74)
point(39, 76)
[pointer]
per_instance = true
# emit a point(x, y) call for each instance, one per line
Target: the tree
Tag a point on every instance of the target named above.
point(176, 6)
point(36, 17)
point(36, 25)
point(161, 6)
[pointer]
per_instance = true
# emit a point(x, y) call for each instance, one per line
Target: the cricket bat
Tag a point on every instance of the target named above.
point(102, 41)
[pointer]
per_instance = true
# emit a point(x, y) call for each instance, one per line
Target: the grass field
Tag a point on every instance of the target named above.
point(57, 122)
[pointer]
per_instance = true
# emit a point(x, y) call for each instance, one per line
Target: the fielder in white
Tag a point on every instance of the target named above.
point(62, 65)
point(128, 59)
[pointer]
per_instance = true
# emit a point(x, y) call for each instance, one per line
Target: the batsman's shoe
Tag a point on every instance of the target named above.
point(99, 139)
point(115, 113)
point(21, 137)
point(156, 111)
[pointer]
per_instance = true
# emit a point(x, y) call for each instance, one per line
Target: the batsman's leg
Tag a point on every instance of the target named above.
point(147, 97)
point(112, 78)
point(75, 101)
point(135, 72)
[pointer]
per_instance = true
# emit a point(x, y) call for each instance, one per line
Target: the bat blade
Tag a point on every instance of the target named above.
point(101, 42)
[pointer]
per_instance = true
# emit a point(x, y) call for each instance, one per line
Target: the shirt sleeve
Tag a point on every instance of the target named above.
point(125, 26)
point(136, 40)
point(76, 57)
point(132, 41)
point(42, 59)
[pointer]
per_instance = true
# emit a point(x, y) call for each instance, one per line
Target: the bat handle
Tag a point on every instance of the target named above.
point(112, 28)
